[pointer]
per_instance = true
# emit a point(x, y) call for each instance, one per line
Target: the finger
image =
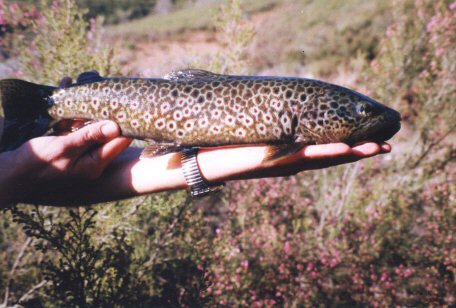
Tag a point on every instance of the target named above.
point(385, 148)
point(326, 151)
point(65, 82)
point(89, 136)
point(64, 127)
point(96, 160)
point(366, 149)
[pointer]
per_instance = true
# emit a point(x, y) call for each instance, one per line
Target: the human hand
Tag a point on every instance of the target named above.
point(42, 167)
point(234, 163)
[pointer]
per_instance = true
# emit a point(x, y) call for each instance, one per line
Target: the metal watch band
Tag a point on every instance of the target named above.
point(192, 175)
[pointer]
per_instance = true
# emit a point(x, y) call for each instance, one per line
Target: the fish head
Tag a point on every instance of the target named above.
point(338, 114)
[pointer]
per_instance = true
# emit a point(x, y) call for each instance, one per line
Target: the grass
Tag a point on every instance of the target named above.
point(189, 18)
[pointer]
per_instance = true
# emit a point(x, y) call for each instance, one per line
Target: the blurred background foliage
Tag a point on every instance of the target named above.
point(379, 232)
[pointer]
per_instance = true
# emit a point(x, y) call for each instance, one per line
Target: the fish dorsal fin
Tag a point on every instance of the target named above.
point(90, 76)
point(192, 74)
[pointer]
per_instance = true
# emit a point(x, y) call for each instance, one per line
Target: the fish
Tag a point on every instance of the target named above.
point(194, 108)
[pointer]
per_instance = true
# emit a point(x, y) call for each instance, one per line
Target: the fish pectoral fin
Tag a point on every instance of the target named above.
point(158, 149)
point(87, 77)
point(279, 152)
point(192, 74)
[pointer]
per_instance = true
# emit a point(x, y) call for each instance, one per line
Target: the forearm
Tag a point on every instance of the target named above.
point(129, 176)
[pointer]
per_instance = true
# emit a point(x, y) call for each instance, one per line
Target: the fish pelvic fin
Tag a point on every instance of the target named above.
point(278, 152)
point(25, 108)
point(158, 149)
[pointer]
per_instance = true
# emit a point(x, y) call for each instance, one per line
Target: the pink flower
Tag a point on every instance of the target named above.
point(245, 264)
point(287, 247)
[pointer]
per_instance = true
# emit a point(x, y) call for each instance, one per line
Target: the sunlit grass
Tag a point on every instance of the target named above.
point(189, 18)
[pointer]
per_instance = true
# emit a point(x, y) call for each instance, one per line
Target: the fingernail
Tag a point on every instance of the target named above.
point(110, 129)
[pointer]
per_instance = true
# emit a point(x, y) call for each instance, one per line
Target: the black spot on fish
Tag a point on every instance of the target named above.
point(320, 122)
point(187, 89)
point(175, 93)
point(303, 97)
point(195, 93)
point(294, 122)
point(209, 95)
point(288, 94)
point(310, 90)
point(201, 99)
point(334, 105)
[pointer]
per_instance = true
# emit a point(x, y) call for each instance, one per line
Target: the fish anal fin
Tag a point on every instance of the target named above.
point(278, 152)
point(88, 77)
point(158, 149)
point(192, 74)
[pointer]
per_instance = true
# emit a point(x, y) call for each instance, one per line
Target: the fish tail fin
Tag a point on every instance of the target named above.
point(25, 106)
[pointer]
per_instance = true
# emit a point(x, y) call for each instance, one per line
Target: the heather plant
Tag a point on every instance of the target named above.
point(63, 44)
point(108, 254)
point(377, 232)
point(235, 35)
point(14, 18)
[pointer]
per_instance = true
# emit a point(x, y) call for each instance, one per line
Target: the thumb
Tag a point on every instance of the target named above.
point(91, 135)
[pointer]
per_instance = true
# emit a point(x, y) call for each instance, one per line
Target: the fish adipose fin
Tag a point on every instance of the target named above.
point(159, 149)
point(25, 107)
point(88, 77)
point(278, 152)
point(192, 74)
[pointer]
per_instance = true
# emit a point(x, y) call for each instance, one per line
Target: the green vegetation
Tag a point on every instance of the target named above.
point(188, 18)
point(379, 232)
point(63, 44)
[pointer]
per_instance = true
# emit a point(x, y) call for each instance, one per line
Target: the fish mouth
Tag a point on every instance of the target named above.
point(385, 129)
point(386, 133)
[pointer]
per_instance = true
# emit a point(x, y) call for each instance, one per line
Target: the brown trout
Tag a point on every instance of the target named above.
point(196, 108)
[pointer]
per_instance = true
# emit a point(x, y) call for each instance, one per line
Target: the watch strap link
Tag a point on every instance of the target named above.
point(198, 186)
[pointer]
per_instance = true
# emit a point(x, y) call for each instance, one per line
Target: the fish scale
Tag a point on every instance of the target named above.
point(195, 108)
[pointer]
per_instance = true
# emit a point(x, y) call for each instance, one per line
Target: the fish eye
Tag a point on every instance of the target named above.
point(364, 109)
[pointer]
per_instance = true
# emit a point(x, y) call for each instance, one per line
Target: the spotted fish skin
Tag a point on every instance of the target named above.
point(195, 108)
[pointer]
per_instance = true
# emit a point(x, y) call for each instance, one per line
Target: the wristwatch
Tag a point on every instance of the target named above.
point(198, 186)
